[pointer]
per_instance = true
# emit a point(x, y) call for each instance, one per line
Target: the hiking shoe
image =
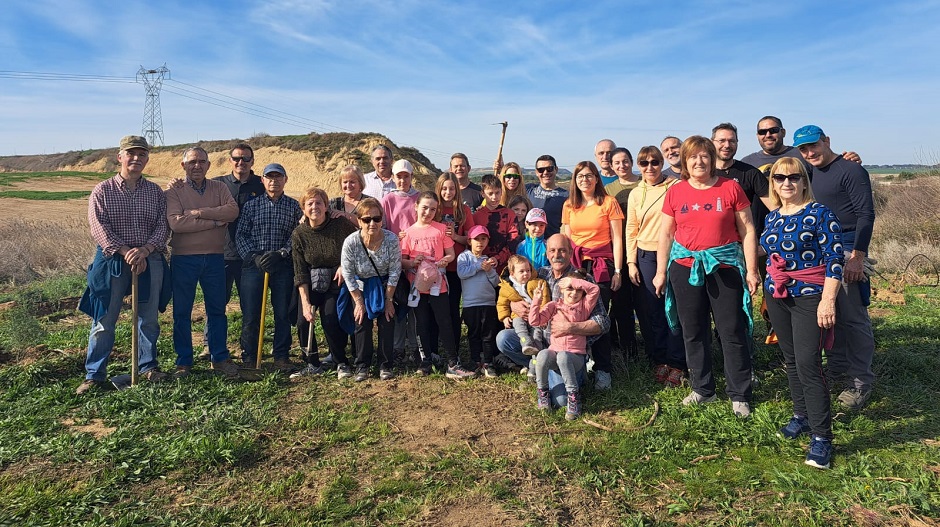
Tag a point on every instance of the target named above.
point(361, 375)
point(183, 371)
point(386, 375)
point(307, 371)
point(204, 355)
point(285, 366)
point(154, 375)
point(343, 371)
point(543, 400)
point(489, 371)
point(601, 380)
point(741, 409)
point(226, 368)
point(660, 372)
point(820, 452)
point(675, 377)
point(574, 406)
point(425, 369)
point(89, 385)
point(458, 372)
point(797, 426)
point(697, 398)
point(854, 398)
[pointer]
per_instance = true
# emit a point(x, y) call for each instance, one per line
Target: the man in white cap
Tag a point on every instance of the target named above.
point(263, 241)
point(127, 216)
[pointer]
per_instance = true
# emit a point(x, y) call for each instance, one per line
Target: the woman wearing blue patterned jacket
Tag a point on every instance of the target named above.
point(803, 242)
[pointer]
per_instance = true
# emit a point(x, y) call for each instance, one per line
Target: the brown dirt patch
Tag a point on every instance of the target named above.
point(95, 427)
point(433, 414)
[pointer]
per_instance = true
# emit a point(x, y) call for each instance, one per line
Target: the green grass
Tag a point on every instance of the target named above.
point(202, 451)
point(42, 195)
point(9, 178)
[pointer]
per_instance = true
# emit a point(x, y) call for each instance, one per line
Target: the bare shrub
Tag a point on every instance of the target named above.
point(908, 224)
point(31, 249)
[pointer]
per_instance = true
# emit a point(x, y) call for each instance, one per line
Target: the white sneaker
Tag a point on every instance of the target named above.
point(741, 409)
point(601, 380)
point(696, 398)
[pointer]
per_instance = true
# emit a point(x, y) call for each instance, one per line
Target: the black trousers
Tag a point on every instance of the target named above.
point(482, 327)
point(800, 339)
point(365, 348)
point(437, 309)
point(721, 294)
point(454, 291)
point(661, 345)
point(336, 338)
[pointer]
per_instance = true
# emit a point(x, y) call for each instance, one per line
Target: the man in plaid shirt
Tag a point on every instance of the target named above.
point(127, 216)
point(263, 242)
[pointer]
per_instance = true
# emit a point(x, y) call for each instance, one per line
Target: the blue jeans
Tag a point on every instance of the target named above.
point(507, 342)
point(281, 285)
point(101, 339)
point(209, 271)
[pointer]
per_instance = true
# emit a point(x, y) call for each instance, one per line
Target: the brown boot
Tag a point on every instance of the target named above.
point(226, 368)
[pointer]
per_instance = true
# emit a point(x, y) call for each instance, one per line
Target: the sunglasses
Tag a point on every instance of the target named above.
point(511, 176)
point(274, 176)
point(542, 170)
point(651, 162)
point(371, 219)
point(246, 159)
point(765, 131)
point(792, 178)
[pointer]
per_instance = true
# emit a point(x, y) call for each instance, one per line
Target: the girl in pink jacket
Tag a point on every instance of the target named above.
point(566, 353)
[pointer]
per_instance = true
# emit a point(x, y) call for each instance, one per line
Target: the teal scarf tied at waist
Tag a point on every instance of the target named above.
point(707, 262)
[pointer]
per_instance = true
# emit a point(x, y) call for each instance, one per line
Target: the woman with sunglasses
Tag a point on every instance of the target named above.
point(707, 263)
point(622, 327)
point(511, 178)
point(644, 211)
point(803, 242)
point(371, 266)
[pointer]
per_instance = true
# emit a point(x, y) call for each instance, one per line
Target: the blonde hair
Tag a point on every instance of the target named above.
point(356, 171)
point(520, 188)
point(517, 259)
point(789, 165)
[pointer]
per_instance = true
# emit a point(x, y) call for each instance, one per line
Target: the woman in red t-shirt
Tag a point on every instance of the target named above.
point(708, 217)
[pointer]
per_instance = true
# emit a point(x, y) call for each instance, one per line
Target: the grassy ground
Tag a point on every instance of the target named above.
point(428, 451)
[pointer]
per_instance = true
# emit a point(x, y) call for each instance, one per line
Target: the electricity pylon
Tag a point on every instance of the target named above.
point(152, 128)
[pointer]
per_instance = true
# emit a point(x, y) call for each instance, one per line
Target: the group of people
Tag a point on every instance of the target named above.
point(534, 271)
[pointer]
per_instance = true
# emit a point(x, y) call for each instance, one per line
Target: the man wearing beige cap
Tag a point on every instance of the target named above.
point(127, 216)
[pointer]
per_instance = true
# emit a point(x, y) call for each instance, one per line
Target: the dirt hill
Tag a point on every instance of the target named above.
point(308, 159)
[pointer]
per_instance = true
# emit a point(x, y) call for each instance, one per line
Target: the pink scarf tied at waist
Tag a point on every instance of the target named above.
point(599, 255)
point(813, 275)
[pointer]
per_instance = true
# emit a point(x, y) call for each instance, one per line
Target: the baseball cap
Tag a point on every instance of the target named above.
point(134, 141)
point(536, 215)
point(403, 165)
point(807, 135)
point(273, 167)
point(477, 230)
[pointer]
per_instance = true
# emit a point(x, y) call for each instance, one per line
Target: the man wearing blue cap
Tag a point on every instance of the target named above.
point(845, 187)
point(263, 242)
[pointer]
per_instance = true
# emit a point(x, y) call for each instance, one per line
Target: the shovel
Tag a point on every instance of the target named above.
point(125, 381)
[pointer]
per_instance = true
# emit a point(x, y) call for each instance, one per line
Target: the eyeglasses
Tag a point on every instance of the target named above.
point(246, 159)
point(585, 176)
point(195, 162)
point(651, 162)
point(274, 175)
point(765, 131)
point(792, 178)
point(511, 176)
point(371, 219)
point(542, 170)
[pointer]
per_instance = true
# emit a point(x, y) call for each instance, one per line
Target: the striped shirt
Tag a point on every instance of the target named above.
point(266, 225)
point(119, 217)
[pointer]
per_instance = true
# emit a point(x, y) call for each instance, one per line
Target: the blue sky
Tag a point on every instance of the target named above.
point(435, 75)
